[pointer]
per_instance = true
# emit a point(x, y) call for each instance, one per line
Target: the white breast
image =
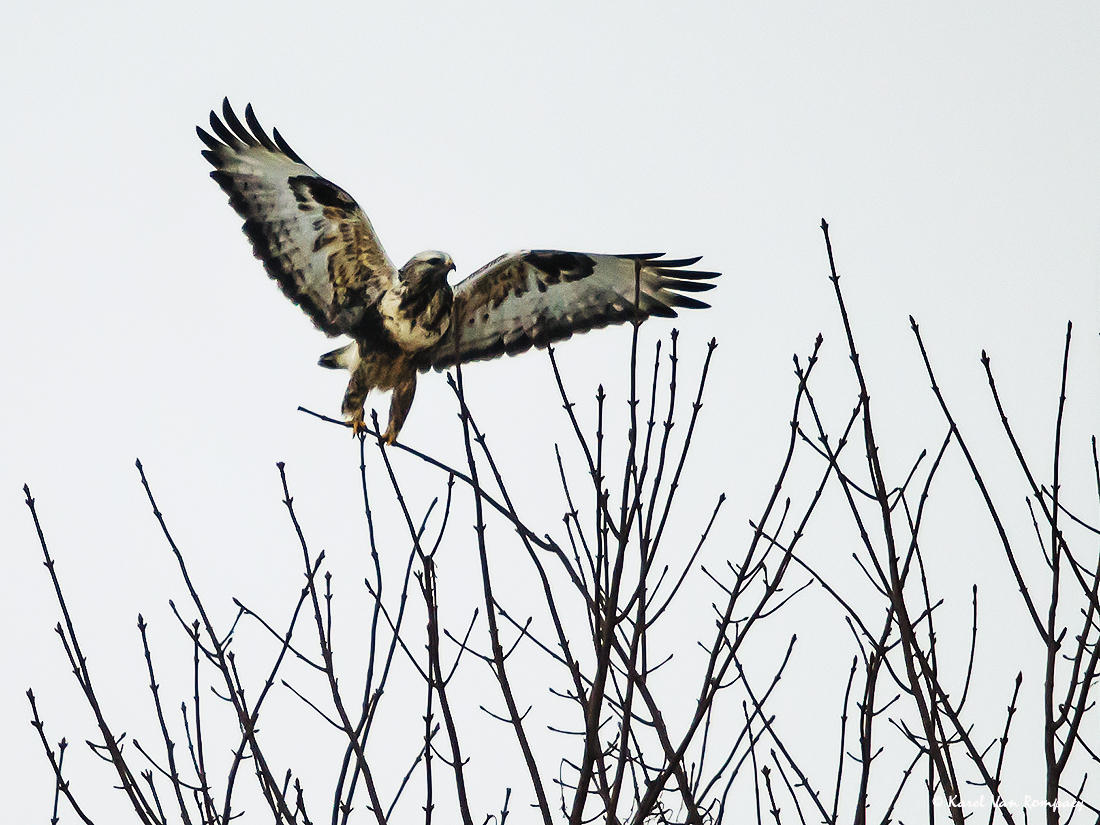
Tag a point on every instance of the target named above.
point(410, 335)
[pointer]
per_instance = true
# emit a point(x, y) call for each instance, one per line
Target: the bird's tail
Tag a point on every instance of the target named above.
point(344, 358)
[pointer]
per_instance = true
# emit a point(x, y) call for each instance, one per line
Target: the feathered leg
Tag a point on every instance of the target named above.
point(400, 404)
point(360, 383)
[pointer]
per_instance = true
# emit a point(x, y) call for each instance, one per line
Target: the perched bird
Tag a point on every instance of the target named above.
point(319, 245)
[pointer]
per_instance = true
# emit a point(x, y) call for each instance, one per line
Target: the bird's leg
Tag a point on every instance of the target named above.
point(358, 386)
point(399, 406)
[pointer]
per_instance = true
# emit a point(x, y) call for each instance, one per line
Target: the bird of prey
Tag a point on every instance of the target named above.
point(319, 246)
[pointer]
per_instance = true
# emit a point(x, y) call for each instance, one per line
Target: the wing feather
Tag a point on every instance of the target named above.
point(312, 237)
point(534, 298)
point(256, 129)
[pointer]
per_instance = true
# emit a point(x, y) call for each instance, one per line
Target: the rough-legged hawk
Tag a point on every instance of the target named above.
point(316, 242)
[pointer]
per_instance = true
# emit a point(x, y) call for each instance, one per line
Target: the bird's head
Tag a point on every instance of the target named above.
point(425, 268)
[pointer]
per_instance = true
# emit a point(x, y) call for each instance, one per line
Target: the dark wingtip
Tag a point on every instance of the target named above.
point(687, 302)
point(685, 274)
point(659, 310)
point(677, 284)
point(237, 136)
point(641, 256)
point(677, 262)
point(235, 124)
point(207, 138)
point(258, 130)
point(222, 131)
point(285, 148)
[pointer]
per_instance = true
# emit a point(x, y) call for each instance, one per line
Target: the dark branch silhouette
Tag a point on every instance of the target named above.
point(653, 718)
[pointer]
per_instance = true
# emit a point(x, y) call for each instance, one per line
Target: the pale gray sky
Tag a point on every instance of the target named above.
point(952, 147)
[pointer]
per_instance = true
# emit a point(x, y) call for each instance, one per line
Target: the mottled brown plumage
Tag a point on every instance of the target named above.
point(320, 247)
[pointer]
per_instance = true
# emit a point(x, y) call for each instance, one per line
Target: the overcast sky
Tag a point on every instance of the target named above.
point(953, 148)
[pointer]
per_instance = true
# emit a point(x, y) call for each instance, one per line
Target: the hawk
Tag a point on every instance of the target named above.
point(320, 247)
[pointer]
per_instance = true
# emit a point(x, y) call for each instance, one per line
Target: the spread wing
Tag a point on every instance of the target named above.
point(310, 234)
point(534, 298)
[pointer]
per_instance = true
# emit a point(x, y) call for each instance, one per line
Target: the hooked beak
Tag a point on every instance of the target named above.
point(449, 268)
